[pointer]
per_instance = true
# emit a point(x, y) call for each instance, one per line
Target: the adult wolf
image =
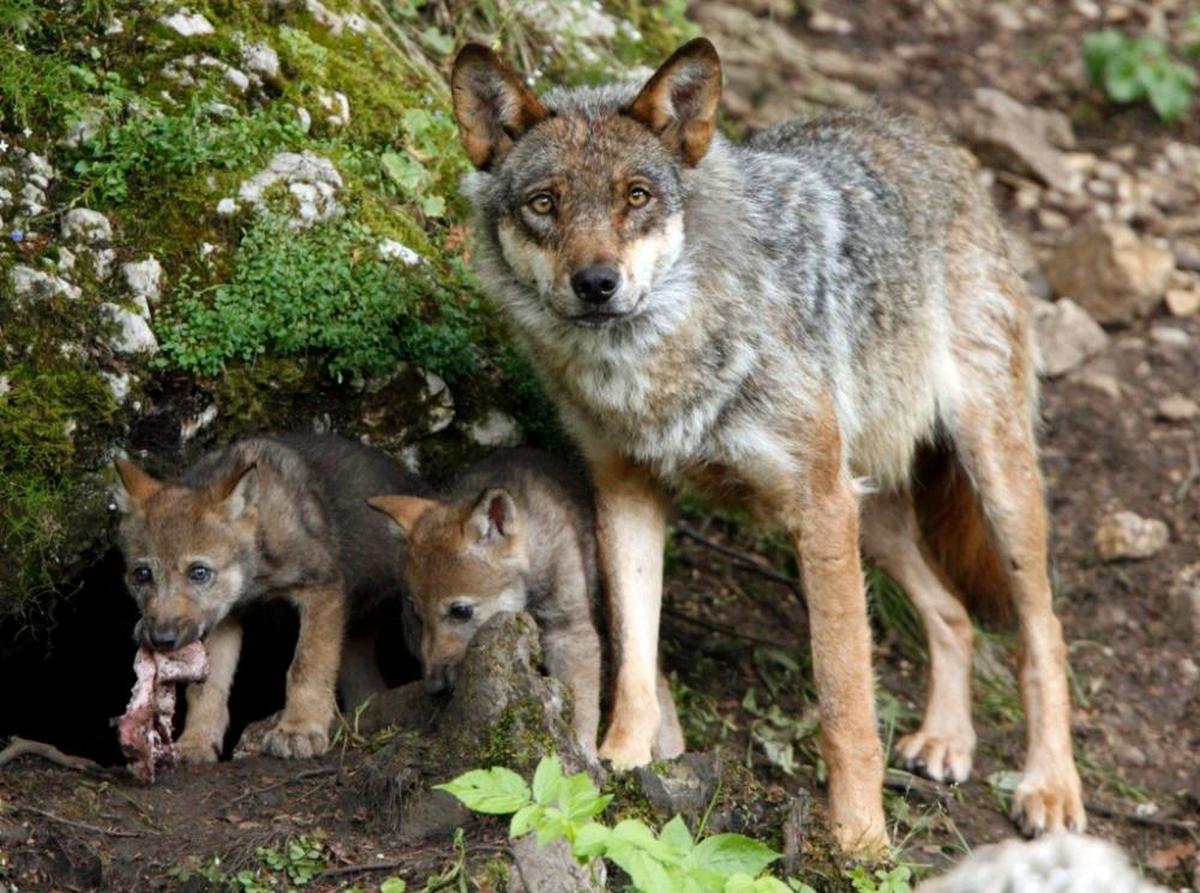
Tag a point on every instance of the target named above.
point(823, 323)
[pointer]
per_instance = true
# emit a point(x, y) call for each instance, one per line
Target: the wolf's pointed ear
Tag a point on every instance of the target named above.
point(492, 519)
point(136, 486)
point(680, 101)
point(404, 510)
point(234, 492)
point(493, 107)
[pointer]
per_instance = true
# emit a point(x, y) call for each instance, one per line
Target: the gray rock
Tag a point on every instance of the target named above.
point(1110, 272)
point(1128, 536)
point(144, 278)
point(390, 249)
point(551, 869)
point(1185, 602)
point(682, 787)
point(86, 227)
point(1009, 135)
point(304, 169)
point(1066, 336)
point(226, 207)
point(187, 23)
point(260, 59)
point(30, 284)
point(133, 336)
point(1170, 337)
point(1178, 408)
point(118, 385)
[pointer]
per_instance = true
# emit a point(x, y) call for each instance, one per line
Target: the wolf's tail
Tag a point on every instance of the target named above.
point(954, 528)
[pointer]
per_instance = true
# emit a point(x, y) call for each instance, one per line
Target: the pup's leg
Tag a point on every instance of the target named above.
point(574, 656)
point(359, 677)
point(944, 746)
point(303, 730)
point(996, 447)
point(669, 743)
point(631, 533)
point(208, 702)
point(822, 518)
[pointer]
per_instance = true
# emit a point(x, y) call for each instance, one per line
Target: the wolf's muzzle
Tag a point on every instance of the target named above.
point(596, 284)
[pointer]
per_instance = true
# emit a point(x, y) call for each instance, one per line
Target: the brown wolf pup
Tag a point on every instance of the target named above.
point(516, 532)
point(280, 516)
point(793, 322)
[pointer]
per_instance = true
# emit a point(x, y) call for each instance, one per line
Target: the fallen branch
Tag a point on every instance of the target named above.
point(19, 747)
point(899, 780)
point(1099, 808)
point(362, 868)
point(71, 823)
point(742, 559)
point(723, 629)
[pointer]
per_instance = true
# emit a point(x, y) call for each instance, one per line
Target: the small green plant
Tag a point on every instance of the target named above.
point(1130, 69)
point(893, 880)
point(561, 807)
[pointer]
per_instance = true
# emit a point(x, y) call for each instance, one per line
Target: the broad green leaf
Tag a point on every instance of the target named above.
point(740, 883)
point(729, 854)
point(1098, 48)
point(772, 885)
point(798, 886)
point(393, 885)
point(433, 205)
point(675, 835)
point(1169, 87)
point(406, 172)
point(647, 873)
point(591, 840)
point(636, 834)
point(524, 820)
point(1122, 78)
point(495, 791)
point(546, 779)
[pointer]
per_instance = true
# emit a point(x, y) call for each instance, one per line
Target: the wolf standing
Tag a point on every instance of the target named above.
point(779, 322)
point(282, 516)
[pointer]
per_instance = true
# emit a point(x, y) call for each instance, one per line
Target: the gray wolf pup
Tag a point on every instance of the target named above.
point(516, 532)
point(281, 516)
point(802, 323)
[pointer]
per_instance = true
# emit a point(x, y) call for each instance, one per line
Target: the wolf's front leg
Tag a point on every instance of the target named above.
point(631, 530)
point(824, 525)
point(574, 656)
point(208, 702)
point(303, 730)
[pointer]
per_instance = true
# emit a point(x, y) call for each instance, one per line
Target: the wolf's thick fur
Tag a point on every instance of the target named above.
point(281, 516)
point(515, 532)
point(789, 322)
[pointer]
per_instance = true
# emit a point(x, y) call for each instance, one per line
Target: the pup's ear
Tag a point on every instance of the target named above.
point(136, 486)
point(404, 510)
point(493, 107)
point(236, 491)
point(679, 102)
point(492, 519)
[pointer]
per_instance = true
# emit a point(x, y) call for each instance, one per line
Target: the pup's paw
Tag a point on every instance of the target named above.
point(946, 758)
point(296, 740)
point(1046, 802)
point(197, 747)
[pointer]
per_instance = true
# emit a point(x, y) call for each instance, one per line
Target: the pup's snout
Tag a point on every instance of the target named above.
point(596, 284)
point(161, 637)
point(438, 679)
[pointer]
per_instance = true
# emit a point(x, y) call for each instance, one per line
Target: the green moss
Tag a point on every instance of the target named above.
point(518, 739)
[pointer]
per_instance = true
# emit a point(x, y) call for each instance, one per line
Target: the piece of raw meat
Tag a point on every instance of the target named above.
point(145, 729)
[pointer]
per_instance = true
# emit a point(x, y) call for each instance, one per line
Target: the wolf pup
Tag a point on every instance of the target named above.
point(516, 532)
point(279, 516)
point(795, 321)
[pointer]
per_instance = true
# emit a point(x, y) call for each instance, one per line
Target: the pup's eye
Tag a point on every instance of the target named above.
point(461, 612)
point(199, 573)
point(143, 575)
point(542, 203)
point(638, 196)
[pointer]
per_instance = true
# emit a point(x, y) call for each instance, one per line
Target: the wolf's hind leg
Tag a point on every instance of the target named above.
point(669, 744)
point(303, 729)
point(944, 746)
point(359, 676)
point(208, 702)
point(995, 445)
point(574, 656)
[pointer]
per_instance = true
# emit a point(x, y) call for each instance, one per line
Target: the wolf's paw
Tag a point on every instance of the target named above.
point(866, 838)
point(623, 752)
point(1046, 802)
point(945, 758)
point(197, 748)
point(292, 740)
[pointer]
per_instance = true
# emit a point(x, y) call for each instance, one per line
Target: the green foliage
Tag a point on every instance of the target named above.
point(144, 150)
point(895, 880)
point(323, 291)
point(1131, 69)
point(562, 807)
point(298, 864)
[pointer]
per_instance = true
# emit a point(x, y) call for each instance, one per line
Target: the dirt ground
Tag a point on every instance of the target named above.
point(735, 633)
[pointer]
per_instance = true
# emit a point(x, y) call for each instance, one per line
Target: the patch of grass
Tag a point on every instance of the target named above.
point(1132, 69)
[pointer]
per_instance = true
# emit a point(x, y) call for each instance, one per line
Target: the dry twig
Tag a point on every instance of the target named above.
point(18, 747)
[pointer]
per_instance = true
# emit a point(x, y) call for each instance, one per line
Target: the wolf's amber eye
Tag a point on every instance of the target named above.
point(638, 196)
point(143, 575)
point(199, 573)
point(461, 612)
point(542, 203)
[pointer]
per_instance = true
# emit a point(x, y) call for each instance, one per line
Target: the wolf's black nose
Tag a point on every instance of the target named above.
point(595, 284)
point(163, 639)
